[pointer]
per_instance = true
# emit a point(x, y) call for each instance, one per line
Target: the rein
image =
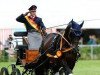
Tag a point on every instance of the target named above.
point(62, 37)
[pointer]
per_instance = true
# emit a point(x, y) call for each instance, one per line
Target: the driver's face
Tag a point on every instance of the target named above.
point(33, 12)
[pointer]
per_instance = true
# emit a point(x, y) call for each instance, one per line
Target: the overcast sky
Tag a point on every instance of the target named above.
point(53, 12)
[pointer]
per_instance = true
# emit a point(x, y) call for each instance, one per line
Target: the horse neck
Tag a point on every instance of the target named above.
point(66, 33)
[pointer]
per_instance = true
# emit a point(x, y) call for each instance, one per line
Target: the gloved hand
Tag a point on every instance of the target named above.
point(44, 33)
point(26, 13)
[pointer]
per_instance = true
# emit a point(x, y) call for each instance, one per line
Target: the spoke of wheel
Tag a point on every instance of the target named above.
point(4, 71)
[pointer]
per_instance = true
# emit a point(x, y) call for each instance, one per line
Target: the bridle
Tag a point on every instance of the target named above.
point(66, 49)
point(62, 37)
point(76, 33)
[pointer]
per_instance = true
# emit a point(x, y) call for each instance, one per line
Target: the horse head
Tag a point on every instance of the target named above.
point(73, 32)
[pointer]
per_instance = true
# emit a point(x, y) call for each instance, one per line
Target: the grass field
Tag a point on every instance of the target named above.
point(87, 67)
point(83, 67)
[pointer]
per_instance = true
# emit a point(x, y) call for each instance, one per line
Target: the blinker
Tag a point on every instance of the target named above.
point(77, 32)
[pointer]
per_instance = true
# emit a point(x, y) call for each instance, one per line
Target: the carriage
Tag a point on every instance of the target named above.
point(58, 53)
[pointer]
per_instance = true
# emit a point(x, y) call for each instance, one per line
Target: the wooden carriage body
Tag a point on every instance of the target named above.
point(24, 55)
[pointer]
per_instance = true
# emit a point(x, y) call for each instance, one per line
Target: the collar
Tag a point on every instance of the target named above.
point(33, 18)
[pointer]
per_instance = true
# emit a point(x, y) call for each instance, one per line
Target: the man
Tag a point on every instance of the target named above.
point(34, 26)
point(8, 43)
point(10, 39)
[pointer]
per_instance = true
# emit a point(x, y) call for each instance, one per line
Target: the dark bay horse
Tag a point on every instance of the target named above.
point(66, 46)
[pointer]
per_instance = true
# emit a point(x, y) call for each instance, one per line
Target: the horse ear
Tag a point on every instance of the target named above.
point(81, 24)
point(70, 23)
point(72, 20)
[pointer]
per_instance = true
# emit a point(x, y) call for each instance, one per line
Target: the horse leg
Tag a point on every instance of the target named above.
point(65, 69)
point(71, 64)
point(39, 71)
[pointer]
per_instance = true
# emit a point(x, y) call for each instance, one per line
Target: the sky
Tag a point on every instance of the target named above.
point(52, 12)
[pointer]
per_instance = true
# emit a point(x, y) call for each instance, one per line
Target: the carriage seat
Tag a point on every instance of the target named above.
point(21, 48)
point(20, 34)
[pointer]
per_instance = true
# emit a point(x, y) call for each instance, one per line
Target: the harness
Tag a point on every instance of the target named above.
point(62, 37)
point(60, 51)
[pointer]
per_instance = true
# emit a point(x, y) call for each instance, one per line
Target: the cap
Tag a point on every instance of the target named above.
point(33, 7)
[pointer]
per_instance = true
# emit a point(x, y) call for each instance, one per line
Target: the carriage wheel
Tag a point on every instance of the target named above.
point(4, 71)
point(16, 71)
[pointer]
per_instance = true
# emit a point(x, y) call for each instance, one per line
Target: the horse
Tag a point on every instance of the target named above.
point(60, 51)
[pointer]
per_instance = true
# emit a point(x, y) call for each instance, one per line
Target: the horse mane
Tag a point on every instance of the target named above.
point(66, 33)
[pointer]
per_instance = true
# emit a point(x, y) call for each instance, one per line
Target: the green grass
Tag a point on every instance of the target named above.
point(87, 67)
point(82, 67)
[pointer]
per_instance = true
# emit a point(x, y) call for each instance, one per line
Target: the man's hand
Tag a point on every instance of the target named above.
point(44, 32)
point(26, 13)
